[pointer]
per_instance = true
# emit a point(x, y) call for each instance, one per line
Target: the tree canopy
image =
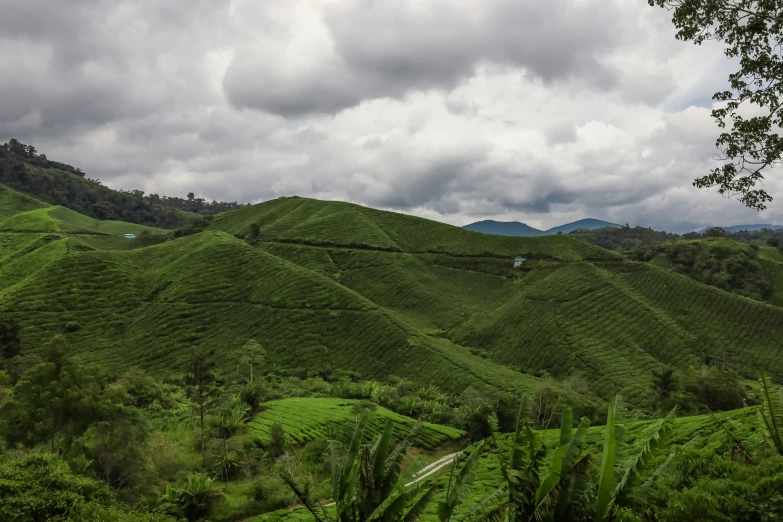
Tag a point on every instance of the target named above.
point(752, 31)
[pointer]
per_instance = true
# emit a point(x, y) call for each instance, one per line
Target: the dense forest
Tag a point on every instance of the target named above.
point(747, 263)
point(727, 265)
point(627, 238)
point(23, 169)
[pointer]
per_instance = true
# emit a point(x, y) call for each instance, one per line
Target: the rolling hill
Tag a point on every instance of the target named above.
point(331, 284)
point(515, 228)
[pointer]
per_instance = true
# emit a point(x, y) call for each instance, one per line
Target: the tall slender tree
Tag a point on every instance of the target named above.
point(200, 380)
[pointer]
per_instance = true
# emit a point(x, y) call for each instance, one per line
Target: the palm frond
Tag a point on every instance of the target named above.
point(336, 455)
point(572, 494)
point(575, 446)
point(559, 467)
point(393, 464)
point(522, 415)
point(380, 453)
point(351, 462)
point(393, 506)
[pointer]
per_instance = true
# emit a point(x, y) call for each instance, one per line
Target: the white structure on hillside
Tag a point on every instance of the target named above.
point(518, 261)
point(130, 236)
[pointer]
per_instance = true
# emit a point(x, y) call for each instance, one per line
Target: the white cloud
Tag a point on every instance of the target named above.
point(543, 112)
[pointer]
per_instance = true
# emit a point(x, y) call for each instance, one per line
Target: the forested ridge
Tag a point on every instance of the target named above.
point(23, 168)
point(747, 263)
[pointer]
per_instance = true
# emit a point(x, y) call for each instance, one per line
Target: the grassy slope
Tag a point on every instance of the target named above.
point(338, 285)
point(305, 419)
point(12, 202)
point(51, 185)
point(708, 431)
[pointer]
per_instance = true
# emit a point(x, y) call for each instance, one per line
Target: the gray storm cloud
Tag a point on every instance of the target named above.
point(456, 110)
point(386, 49)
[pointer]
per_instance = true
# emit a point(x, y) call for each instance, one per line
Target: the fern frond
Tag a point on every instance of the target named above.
point(631, 478)
point(667, 472)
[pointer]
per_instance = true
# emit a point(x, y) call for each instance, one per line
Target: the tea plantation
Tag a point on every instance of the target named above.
point(305, 419)
point(336, 285)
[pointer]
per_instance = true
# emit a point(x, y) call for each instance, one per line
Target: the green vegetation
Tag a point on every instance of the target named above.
point(747, 263)
point(217, 371)
point(751, 30)
point(389, 295)
point(305, 419)
point(23, 169)
point(368, 482)
point(714, 467)
point(623, 238)
point(716, 261)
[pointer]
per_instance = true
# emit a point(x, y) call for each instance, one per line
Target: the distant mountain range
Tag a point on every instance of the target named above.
point(515, 228)
point(751, 228)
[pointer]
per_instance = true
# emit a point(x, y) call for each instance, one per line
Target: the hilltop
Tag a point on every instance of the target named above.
point(515, 228)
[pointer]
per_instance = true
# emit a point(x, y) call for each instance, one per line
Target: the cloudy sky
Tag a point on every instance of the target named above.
point(456, 110)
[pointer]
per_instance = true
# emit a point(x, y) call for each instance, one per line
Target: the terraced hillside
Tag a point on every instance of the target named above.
point(571, 306)
point(152, 306)
point(336, 285)
point(305, 419)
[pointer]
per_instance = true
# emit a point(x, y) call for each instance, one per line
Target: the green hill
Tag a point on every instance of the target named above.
point(335, 285)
